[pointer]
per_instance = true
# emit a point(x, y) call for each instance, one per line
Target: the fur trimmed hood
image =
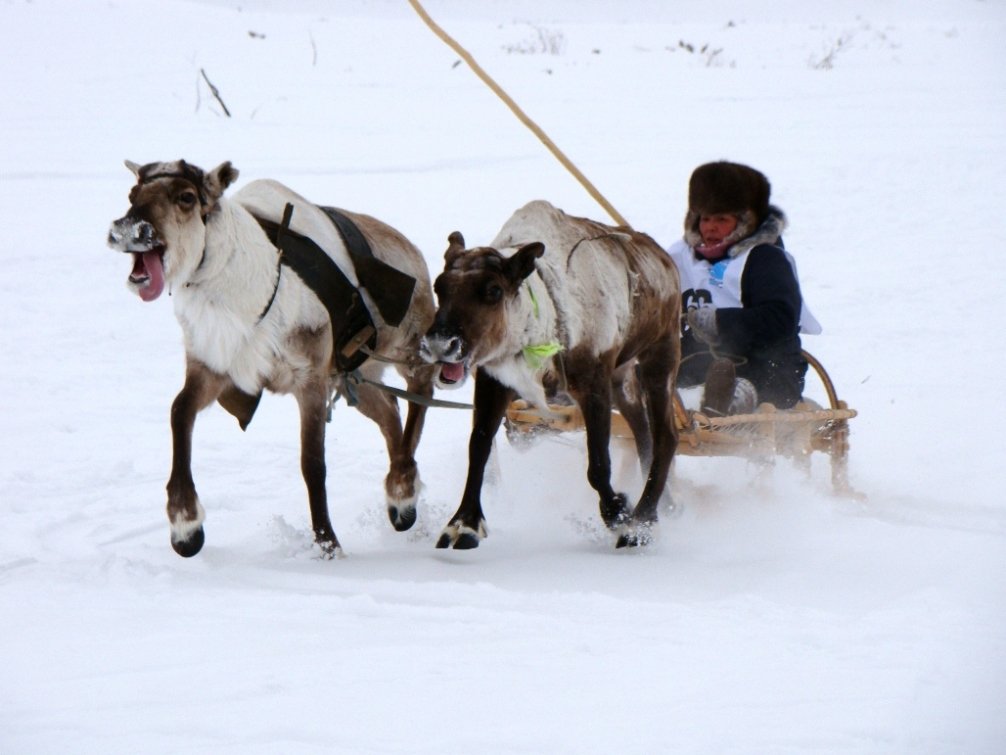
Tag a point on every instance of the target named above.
point(728, 188)
point(769, 232)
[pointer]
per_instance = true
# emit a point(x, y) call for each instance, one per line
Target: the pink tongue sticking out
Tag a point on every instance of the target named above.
point(452, 372)
point(148, 272)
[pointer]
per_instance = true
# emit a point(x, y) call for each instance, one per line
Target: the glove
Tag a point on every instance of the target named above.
point(702, 321)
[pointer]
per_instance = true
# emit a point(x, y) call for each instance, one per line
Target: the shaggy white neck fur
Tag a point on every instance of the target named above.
point(218, 305)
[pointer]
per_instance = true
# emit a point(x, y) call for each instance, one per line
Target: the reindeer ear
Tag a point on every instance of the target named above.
point(455, 248)
point(456, 242)
point(133, 167)
point(218, 179)
point(521, 264)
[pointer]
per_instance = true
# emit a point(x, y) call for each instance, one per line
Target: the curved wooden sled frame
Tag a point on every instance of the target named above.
point(762, 435)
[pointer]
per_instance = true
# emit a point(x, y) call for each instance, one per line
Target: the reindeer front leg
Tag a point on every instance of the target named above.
point(311, 400)
point(468, 525)
point(185, 513)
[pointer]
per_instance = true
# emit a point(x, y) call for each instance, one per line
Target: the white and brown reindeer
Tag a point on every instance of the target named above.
point(562, 303)
point(251, 321)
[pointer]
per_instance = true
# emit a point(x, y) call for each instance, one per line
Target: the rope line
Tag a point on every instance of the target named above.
point(521, 115)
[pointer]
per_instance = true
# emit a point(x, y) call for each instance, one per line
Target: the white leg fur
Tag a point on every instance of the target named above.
point(182, 529)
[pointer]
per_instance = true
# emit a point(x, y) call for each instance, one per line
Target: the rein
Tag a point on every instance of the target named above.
point(350, 380)
point(710, 351)
point(620, 235)
point(354, 378)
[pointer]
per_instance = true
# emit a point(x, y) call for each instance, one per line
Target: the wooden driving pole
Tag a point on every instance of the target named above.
point(521, 115)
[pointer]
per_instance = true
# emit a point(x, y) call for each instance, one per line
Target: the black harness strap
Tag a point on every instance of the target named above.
point(390, 289)
point(278, 241)
point(352, 325)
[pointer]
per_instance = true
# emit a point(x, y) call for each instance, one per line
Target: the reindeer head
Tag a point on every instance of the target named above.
point(475, 293)
point(165, 227)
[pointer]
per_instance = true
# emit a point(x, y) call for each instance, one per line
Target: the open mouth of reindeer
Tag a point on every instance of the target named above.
point(147, 276)
point(140, 239)
point(452, 374)
point(447, 352)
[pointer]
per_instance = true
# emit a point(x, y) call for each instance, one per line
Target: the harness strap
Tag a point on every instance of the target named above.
point(389, 288)
point(352, 325)
point(283, 228)
point(188, 173)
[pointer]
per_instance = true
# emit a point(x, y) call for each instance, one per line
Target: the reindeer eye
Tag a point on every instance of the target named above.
point(187, 199)
point(493, 293)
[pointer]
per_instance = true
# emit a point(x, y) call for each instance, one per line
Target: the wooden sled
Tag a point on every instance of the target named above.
point(763, 435)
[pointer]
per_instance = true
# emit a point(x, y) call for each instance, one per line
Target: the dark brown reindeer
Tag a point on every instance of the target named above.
point(571, 304)
point(290, 321)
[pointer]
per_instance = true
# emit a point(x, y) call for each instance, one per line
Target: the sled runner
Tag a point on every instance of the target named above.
point(762, 435)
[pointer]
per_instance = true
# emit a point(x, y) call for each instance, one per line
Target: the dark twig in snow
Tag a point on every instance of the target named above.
point(216, 92)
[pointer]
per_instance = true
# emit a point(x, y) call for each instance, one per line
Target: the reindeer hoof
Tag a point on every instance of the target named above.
point(327, 551)
point(461, 537)
point(402, 518)
point(466, 541)
point(328, 547)
point(635, 536)
point(191, 545)
point(626, 541)
point(615, 512)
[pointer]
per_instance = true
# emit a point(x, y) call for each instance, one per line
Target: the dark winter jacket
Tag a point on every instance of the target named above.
point(764, 332)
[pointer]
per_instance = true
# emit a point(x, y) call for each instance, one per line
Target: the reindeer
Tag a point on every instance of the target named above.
point(273, 292)
point(562, 303)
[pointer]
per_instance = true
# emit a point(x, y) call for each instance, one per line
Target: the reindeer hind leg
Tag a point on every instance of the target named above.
point(590, 386)
point(656, 378)
point(312, 400)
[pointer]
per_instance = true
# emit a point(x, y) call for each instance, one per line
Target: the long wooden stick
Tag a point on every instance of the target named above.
point(521, 115)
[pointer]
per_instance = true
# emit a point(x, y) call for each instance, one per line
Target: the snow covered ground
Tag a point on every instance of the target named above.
point(764, 619)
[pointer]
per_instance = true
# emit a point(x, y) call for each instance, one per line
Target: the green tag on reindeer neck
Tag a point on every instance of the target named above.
point(536, 354)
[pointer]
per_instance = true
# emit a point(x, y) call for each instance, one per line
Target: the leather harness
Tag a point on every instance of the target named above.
point(352, 324)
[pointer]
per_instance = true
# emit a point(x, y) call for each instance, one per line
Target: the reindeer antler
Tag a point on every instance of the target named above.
point(456, 247)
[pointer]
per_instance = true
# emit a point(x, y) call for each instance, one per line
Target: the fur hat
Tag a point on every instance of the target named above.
point(727, 188)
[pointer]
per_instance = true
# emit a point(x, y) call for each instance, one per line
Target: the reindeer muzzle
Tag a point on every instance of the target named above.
point(139, 238)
